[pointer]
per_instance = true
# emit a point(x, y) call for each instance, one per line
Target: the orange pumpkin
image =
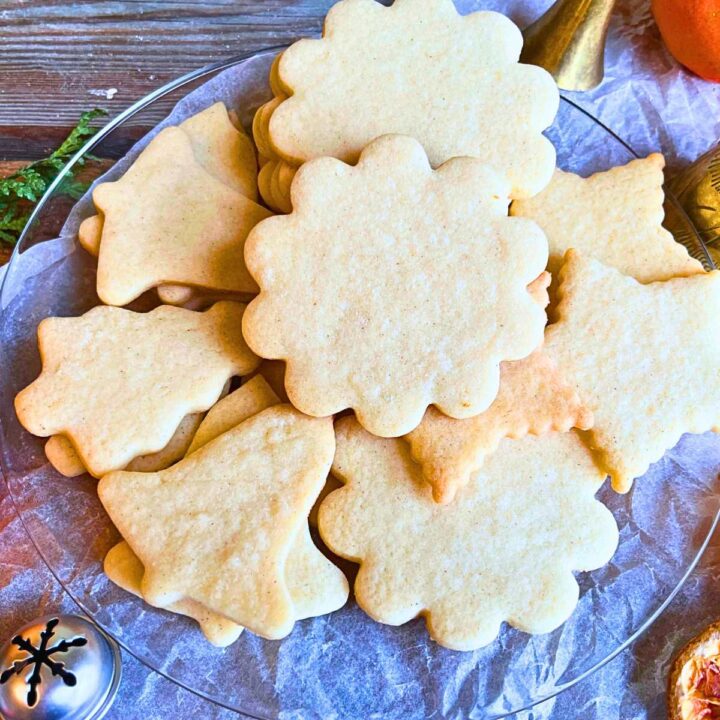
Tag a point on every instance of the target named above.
point(691, 31)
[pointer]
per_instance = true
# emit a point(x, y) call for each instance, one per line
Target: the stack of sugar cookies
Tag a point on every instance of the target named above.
point(455, 86)
point(399, 306)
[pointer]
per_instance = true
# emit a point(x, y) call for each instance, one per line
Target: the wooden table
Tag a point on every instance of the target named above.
point(61, 57)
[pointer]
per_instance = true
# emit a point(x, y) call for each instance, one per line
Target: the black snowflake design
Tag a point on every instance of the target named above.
point(41, 656)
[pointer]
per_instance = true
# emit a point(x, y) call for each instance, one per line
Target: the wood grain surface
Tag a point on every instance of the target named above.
point(59, 58)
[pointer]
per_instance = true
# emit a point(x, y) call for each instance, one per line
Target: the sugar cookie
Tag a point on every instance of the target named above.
point(615, 340)
point(503, 551)
point(614, 216)
point(391, 287)
point(417, 68)
point(315, 585)
point(124, 568)
point(62, 456)
point(117, 383)
point(171, 222)
point(534, 399)
point(248, 493)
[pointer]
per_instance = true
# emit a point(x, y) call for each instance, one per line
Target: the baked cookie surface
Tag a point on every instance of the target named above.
point(417, 68)
point(613, 216)
point(643, 358)
point(393, 286)
point(504, 550)
point(218, 526)
point(534, 399)
point(118, 383)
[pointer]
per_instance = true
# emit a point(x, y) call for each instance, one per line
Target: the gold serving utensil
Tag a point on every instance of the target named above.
point(569, 42)
point(697, 189)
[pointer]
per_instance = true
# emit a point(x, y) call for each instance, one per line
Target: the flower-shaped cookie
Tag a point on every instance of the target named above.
point(392, 286)
point(417, 68)
point(643, 358)
point(504, 550)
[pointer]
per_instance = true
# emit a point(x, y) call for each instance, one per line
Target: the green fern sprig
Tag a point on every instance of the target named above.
point(20, 191)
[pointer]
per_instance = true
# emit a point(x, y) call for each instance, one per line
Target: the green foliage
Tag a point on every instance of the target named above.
point(20, 191)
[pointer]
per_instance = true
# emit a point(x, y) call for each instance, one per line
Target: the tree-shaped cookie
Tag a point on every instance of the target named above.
point(63, 457)
point(534, 399)
point(217, 527)
point(392, 286)
point(118, 383)
point(643, 358)
point(316, 586)
point(167, 220)
point(417, 68)
point(504, 550)
point(614, 216)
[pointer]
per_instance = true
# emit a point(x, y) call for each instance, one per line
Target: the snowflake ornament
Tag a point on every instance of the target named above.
point(42, 656)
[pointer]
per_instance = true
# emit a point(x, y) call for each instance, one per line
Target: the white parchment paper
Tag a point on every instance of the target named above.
point(345, 666)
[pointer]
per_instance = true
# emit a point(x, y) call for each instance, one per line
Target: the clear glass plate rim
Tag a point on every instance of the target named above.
point(87, 148)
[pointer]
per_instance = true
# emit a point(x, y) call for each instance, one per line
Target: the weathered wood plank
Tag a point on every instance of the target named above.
point(8, 167)
point(59, 58)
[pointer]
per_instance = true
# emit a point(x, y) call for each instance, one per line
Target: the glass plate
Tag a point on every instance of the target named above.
point(342, 665)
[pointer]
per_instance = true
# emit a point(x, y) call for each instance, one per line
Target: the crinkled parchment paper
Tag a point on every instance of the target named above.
point(344, 665)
